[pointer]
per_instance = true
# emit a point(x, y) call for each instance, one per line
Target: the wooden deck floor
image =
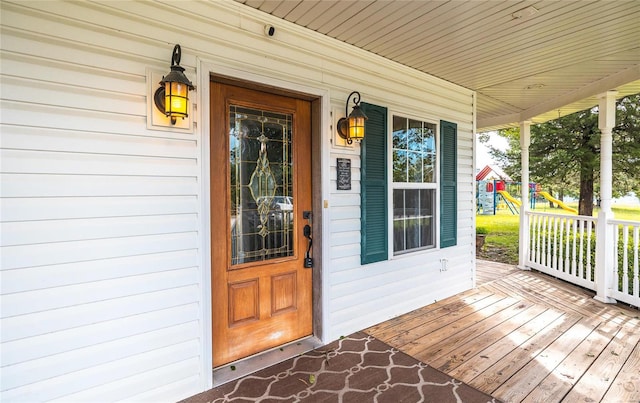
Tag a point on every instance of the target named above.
point(526, 337)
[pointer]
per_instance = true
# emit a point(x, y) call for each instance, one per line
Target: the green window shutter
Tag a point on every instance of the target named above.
point(373, 182)
point(448, 184)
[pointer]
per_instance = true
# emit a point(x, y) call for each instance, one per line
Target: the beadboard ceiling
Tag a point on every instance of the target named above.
point(533, 60)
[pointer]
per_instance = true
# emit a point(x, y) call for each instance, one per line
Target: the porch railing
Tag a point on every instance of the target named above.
point(626, 245)
point(565, 247)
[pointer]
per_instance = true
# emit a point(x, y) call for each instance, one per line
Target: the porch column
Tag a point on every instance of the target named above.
point(604, 232)
point(523, 238)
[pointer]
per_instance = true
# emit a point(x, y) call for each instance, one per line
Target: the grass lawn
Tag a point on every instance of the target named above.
point(501, 243)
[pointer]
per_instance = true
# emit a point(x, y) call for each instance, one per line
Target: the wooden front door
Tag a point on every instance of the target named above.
point(260, 186)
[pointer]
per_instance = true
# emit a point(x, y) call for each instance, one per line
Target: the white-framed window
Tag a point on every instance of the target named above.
point(414, 185)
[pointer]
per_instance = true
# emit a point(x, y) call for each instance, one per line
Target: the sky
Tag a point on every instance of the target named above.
point(482, 154)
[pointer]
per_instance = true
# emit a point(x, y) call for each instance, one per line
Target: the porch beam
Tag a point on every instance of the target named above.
point(502, 120)
point(595, 89)
point(523, 238)
point(625, 80)
point(605, 232)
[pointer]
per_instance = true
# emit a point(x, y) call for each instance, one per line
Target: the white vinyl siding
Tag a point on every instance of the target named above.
point(102, 224)
point(100, 218)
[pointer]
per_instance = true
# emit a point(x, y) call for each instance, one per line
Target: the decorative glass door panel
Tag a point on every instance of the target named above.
point(261, 184)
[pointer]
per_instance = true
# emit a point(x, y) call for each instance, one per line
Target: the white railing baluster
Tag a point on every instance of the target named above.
point(616, 264)
point(554, 262)
point(532, 239)
point(545, 242)
point(535, 240)
point(567, 243)
point(625, 258)
point(538, 247)
point(560, 244)
point(636, 251)
point(557, 244)
point(627, 245)
point(573, 254)
point(589, 231)
point(581, 259)
point(552, 243)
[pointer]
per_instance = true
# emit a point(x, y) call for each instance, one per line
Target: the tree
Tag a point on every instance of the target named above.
point(626, 145)
point(565, 153)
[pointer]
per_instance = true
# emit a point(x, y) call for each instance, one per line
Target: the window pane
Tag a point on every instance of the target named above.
point(399, 132)
point(399, 166)
point(429, 156)
point(414, 136)
point(398, 220)
point(414, 166)
point(428, 232)
point(398, 236)
point(429, 138)
point(427, 202)
point(398, 203)
point(411, 202)
point(413, 223)
point(412, 231)
point(428, 164)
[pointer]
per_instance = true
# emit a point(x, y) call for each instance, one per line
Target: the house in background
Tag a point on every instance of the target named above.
point(138, 254)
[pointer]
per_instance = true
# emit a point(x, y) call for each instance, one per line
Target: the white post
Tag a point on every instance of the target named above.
point(604, 238)
point(523, 247)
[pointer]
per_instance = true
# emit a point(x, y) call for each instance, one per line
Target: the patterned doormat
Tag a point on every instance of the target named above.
point(358, 368)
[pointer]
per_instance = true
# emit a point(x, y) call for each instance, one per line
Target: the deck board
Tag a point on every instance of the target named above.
point(405, 335)
point(460, 354)
point(560, 381)
point(522, 383)
point(523, 336)
point(606, 368)
point(440, 314)
point(481, 361)
point(450, 330)
point(626, 386)
point(466, 331)
point(503, 369)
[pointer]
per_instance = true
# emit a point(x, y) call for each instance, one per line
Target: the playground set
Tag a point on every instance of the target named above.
point(497, 191)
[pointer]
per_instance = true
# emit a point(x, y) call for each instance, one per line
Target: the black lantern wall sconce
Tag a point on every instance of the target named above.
point(351, 127)
point(172, 97)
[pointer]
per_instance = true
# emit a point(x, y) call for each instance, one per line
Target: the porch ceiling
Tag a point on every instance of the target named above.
point(531, 60)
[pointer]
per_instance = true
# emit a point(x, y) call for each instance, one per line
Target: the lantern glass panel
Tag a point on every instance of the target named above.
point(175, 99)
point(356, 127)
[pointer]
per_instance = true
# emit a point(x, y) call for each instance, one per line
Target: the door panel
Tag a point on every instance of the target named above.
point(260, 185)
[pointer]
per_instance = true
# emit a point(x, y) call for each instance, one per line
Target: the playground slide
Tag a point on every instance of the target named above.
point(552, 199)
point(507, 196)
